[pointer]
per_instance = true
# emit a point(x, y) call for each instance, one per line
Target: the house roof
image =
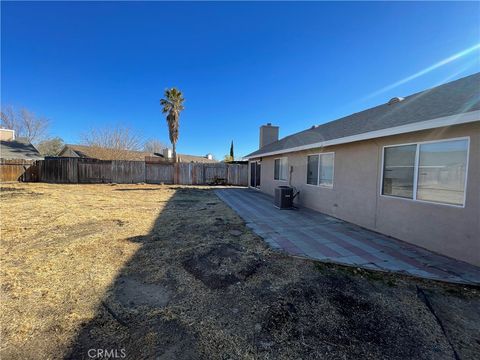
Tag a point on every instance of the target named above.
point(100, 153)
point(194, 158)
point(20, 148)
point(461, 96)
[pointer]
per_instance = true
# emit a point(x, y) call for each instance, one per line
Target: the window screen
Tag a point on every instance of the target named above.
point(399, 171)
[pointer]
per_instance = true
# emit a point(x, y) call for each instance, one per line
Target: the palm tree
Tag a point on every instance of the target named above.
point(173, 105)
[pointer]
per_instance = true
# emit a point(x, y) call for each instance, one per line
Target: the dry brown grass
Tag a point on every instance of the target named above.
point(62, 246)
point(159, 271)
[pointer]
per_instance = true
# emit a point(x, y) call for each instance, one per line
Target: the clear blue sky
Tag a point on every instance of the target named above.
point(239, 65)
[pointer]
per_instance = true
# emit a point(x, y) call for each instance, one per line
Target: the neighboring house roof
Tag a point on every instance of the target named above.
point(413, 113)
point(95, 152)
point(99, 153)
point(194, 158)
point(20, 148)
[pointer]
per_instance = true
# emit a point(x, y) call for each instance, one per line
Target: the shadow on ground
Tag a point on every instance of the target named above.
point(142, 189)
point(202, 286)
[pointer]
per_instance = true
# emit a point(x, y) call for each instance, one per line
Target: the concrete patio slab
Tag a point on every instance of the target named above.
point(304, 232)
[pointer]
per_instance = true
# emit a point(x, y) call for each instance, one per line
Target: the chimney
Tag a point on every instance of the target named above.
point(7, 134)
point(167, 153)
point(209, 156)
point(268, 134)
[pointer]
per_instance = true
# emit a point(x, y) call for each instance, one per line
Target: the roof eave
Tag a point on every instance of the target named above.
point(463, 118)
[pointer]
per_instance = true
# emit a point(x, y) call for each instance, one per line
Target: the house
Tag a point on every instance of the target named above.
point(96, 152)
point(12, 148)
point(409, 168)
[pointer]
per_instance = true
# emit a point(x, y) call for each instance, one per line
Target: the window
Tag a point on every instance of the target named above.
point(431, 171)
point(326, 170)
point(398, 170)
point(442, 169)
point(312, 170)
point(320, 169)
point(281, 169)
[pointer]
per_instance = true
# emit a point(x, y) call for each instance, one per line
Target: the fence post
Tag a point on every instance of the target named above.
point(175, 173)
point(191, 169)
point(78, 171)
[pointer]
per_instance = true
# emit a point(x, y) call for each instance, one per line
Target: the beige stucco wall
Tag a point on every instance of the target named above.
point(355, 196)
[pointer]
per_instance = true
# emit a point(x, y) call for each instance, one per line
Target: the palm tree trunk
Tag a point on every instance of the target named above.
point(174, 152)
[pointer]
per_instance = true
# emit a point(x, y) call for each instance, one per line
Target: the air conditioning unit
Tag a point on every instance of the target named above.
point(284, 197)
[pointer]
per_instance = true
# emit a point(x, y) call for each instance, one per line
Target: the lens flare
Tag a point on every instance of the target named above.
point(426, 70)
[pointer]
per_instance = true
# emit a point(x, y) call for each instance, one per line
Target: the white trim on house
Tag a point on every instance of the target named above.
point(415, 177)
point(464, 118)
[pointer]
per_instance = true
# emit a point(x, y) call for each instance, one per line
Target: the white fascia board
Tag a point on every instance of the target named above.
point(464, 118)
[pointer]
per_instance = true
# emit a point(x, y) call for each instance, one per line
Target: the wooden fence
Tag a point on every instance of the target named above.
point(18, 170)
point(91, 171)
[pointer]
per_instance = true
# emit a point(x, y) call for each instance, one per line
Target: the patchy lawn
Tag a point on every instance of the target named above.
point(172, 273)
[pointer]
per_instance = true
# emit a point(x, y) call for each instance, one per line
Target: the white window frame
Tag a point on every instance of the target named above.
point(415, 172)
point(318, 170)
point(279, 172)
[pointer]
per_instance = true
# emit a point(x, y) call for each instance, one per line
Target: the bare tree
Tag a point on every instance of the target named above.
point(154, 146)
point(25, 123)
point(112, 142)
point(50, 147)
point(10, 119)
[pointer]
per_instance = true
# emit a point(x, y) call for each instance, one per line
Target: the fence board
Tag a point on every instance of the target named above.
point(197, 174)
point(59, 170)
point(182, 174)
point(128, 172)
point(158, 173)
point(93, 171)
point(215, 172)
point(237, 174)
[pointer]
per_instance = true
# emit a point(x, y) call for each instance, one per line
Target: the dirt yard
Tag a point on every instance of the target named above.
point(160, 272)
